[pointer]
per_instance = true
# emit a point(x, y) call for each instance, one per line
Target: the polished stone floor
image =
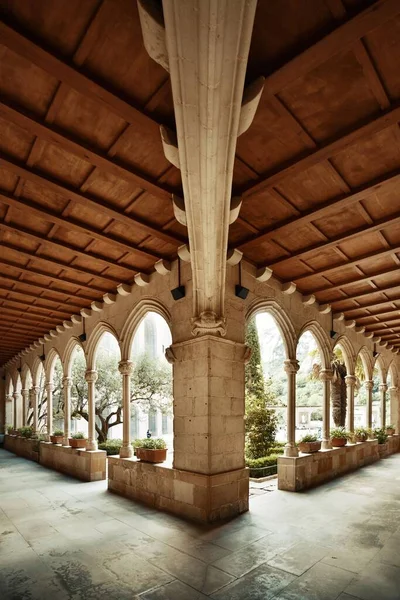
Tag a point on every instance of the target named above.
point(62, 539)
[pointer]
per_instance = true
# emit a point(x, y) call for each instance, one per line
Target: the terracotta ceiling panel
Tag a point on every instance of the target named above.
point(360, 245)
point(267, 209)
point(63, 165)
point(150, 208)
point(43, 196)
point(392, 235)
point(132, 234)
point(345, 221)
point(8, 180)
point(384, 203)
point(383, 44)
point(14, 140)
point(29, 222)
point(113, 190)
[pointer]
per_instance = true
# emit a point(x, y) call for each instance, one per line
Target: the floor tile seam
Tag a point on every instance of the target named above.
point(153, 561)
point(215, 542)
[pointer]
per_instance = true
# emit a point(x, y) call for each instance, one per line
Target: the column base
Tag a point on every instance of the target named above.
point(126, 451)
point(326, 445)
point(65, 441)
point(290, 450)
point(92, 445)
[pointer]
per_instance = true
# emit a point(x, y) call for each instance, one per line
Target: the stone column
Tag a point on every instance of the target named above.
point(125, 368)
point(394, 407)
point(34, 399)
point(326, 377)
point(383, 389)
point(25, 406)
point(91, 378)
point(350, 384)
point(49, 401)
point(369, 384)
point(9, 410)
point(291, 368)
point(16, 424)
point(67, 384)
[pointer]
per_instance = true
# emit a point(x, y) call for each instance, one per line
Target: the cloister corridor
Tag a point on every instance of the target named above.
point(60, 538)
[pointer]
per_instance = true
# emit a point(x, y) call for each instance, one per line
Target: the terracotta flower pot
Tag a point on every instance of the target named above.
point(338, 442)
point(77, 443)
point(56, 439)
point(309, 447)
point(390, 431)
point(152, 456)
point(361, 438)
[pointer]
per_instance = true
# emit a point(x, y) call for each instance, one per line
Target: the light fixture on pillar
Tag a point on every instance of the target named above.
point(375, 353)
point(82, 337)
point(240, 290)
point(179, 292)
point(332, 332)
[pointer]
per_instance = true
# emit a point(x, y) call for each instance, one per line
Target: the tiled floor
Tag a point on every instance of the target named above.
point(62, 539)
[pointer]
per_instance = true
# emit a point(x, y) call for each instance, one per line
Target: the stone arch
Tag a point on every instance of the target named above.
point(49, 364)
point(366, 360)
point(133, 321)
point(379, 363)
point(392, 369)
point(68, 353)
point(322, 341)
point(9, 384)
point(25, 373)
point(282, 321)
point(348, 353)
point(36, 366)
point(94, 339)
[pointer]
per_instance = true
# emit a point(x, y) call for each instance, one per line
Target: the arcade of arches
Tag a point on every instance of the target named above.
point(210, 180)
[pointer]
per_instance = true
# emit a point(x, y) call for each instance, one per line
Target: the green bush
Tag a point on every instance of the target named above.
point(26, 432)
point(112, 447)
point(264, 461)
point(150, 443)
point(309, 438)
point(381, 435)
point(390, 426)
point(78, 436)
point(10, 429)
point(340, 432)
point(261, 425)
point(58, 432)
point(276, 450)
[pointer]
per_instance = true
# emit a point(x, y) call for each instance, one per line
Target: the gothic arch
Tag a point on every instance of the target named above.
point(26, 371)
point(36, 365)
point(133, 321)
point(348, 353)
point(394, 373)
point(94, 339)
point(322, 341)
point(379, 363)
point(49, 364)
point(282, 321)
point(366, 360)
point(68, 353)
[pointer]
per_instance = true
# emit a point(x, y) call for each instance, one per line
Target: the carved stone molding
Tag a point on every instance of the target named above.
point(208, 323)
point(125, 367)
point(170, 355)
point(291, 366)
point(326, 375)
point(91, 376)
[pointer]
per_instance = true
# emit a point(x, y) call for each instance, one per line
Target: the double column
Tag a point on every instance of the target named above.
point(34, 400)
point(67, 384)
point(291, 368)
point(25, 406)
point(350, 385)
point(394, 407)
point(326, 378)
point(369, 384)
point(49, 401)
point(16, 397)
point(383, 389)
point(91, 378)
point(125, 368)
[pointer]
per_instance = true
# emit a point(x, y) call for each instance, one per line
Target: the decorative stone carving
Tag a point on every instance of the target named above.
point(326, 375)
point(291, 366)
point(184, 253)
point(178, 204)
point(383, 387)
point(59, 329)
point(91, 376)
point(289, 288)
point(369, 384)
point(53, 333)
point(236, 205)
point(67, 382)
point(50, 387)
point(234, 257)
point(86, 313)
point(153, 31)
point(208, 323)
point(125, 367)
point(324, 309)
point(251, 99)
point(308, 300)
point(124, 289)
point(338, 316)
point(97, 306)
point(170, 146)
point(109, 298)
point(163, 267)
point(170, 355)
point(67, 325)
point(350, 380)
point(141, 279)
point(264, 274)
point(76, 319)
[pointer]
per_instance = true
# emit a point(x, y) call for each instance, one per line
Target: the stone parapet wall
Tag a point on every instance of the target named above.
point(82, 464)
point(196, 496)
point(309, 470)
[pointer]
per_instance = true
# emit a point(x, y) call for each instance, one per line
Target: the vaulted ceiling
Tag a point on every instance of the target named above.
point(85, 188)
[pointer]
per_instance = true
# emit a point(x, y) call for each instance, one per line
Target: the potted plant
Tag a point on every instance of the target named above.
point(390, 429)
point(361, 434)
point(381, 435)
point(152, 450)
point(26, 432)
point(309, 443)
point(11, 430)
point(78, 440)
point(57, 437)
point(339, 437)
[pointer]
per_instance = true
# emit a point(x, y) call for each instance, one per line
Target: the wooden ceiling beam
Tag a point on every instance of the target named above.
point(385, 332)
point(7, 318)
point(43, 288)
point(86, 152)
point(42, 239)
point(339, 40)
point(65, 314)
point(61, 278)
point(98, 205)
point(23, 313)
point(24, 330)
point(52, 217)
point(50, 301)
point(348, 312)
point(381, 315)
point(339, 286)
point(363, 294)
point(349, 263)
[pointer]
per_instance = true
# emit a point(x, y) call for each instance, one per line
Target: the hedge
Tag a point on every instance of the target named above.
point(264, 461)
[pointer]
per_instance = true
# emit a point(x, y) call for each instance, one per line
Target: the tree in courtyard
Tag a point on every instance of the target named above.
point(339, 392)
point(261, 423)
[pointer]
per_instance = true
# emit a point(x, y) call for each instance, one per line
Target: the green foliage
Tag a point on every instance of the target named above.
point(152, 384)
point(390, 426)
point(339, 392)
point(79, 436)
point(340, 432)
point(261, 425)
point(58, 432)
point(111, 446)
point(309, 438)
point(362, 432)
point(316, 415)
point(10, 429)
point(263, 461)
point(151, 443)
point(254, 376)
point(26, 432)
point(381, 435)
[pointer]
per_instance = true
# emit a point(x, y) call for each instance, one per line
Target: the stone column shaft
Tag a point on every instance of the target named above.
point(369, 384)
point(67, 384)
point(350, 384)
point(383, 389)
point(15, 415)
point(291, 368)
point(35, 399)
point(91, 378)
point(326, 377)
point(125, 368)
point(49, 401)
point(25, 406)
point(394, 407)
point(9, 416)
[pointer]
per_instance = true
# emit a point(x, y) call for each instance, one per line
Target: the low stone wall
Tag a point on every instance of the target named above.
point(84, 465)
point(197, 496)
point(309, 470)
point(24, 447)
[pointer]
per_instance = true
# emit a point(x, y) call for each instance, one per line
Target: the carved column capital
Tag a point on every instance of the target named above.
point(326, 375)
point(25, 393)
point(91, 376)
point(394, 389)
point(35, 390)
point(350, 380)
point(125, 367)
point(50, 387)
point(9, 398)
point(291, 366)
point(383, 387)
point(67, 382)
point(170, 355)
point(16, 395)
point(369, 384)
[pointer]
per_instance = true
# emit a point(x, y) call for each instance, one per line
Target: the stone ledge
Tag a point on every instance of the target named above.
point(25, 447)
point(197, 496)
point(308, 470)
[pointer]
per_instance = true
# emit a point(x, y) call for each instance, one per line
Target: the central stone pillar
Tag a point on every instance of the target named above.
point(9, 416)
point(91, 378)
point(394, 407)
point(25, 406)
point(35, 401)
point(326, 377)
point(383, 389)
point(291, 368)
point(209, 429)
point(67, 384)
point(350, 385)
point(125, 368)
point(369, 384)
point(49, 402)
